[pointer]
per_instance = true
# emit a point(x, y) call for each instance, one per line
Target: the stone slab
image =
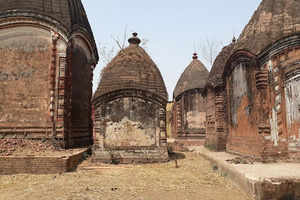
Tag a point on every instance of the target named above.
point(262, 181)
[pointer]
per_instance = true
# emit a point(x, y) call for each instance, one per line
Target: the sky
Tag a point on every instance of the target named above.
point(174, 29)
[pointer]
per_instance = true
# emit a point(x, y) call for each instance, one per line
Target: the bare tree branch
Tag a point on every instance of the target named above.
point(124, 37)
point(118, 43)
point(107, 52)
point(209, 50)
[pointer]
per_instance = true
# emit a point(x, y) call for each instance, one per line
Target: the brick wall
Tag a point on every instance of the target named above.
point(24, 77)
point(279, 189)
point(263, 115)
point(129, 125)
point(39, 165)
point(211, 136)
point(190, 114)
point(81, 94)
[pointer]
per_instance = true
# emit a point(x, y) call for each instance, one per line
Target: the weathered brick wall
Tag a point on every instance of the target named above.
point(279, 189)
point(221, 118)
point(130, 109)
point(211, 140)
point(190, 115)
point(177, 119)
point(34, 165)
point(39, 165)
point(263, 105)
point(81, 124)
point(159, 154)
point(285, 98)
point(189, 120)
point(195, 113)
point(24, 77)
point(244, 111)
point(169, 118)
point(130, 127)
point(217, 130)
point(174, 120)
point(129, 122)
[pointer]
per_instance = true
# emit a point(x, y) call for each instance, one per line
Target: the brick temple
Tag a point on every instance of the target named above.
point(46, 76)
point(130, 109)
point(216, 117)
point(189, 109)
point(260, 91)
point(248, 104)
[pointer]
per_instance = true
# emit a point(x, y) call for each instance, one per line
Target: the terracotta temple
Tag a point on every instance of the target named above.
point(130, 109)
point(261, 87)
point(46, 76)
point(189, 109)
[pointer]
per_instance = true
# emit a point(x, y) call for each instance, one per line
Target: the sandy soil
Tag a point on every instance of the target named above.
point(193, 180)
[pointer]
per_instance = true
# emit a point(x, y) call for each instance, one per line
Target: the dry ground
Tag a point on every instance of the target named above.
point(193, 180)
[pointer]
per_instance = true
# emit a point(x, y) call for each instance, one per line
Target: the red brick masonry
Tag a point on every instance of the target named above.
point(40, 165)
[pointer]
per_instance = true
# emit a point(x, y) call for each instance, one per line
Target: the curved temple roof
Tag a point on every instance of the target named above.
point(194, 76)
point(216, 72)
point(68, 13)
point(272, 20)
point(132, 68)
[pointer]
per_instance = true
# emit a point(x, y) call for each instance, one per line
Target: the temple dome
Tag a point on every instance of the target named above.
point(194, 76)
point(132, 68)
point(69, 15)
point(274, 19)
point(216, 72)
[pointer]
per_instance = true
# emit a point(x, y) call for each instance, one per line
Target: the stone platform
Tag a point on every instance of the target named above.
point(185, 144)
point(158, 154)
point(262, 181)
point(43, 164)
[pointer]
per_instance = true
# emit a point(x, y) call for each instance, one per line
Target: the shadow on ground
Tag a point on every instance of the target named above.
point(176, 156)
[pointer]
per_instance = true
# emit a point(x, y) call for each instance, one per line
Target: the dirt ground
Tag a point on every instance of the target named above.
point(194, 179)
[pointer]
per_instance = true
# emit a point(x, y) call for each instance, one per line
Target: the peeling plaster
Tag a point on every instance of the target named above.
point(292, 96)
point(129, 122)
point(274, 128)
point(278, 107)
point(270, 65)
point(239, 90)
point(278, 99)
point(196, 120)
point(128, 133)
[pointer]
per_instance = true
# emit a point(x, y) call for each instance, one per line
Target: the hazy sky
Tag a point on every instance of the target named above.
point(173, 28)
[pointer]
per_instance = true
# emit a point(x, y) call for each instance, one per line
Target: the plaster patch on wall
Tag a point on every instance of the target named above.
point(278, 108)
point(248, 110)
point(270, 65)
point(292, 96)
point(239, 90)
point(274, 128)
point(196, 120)
point(129, 122)
point(278, 99)
point(128, 133)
